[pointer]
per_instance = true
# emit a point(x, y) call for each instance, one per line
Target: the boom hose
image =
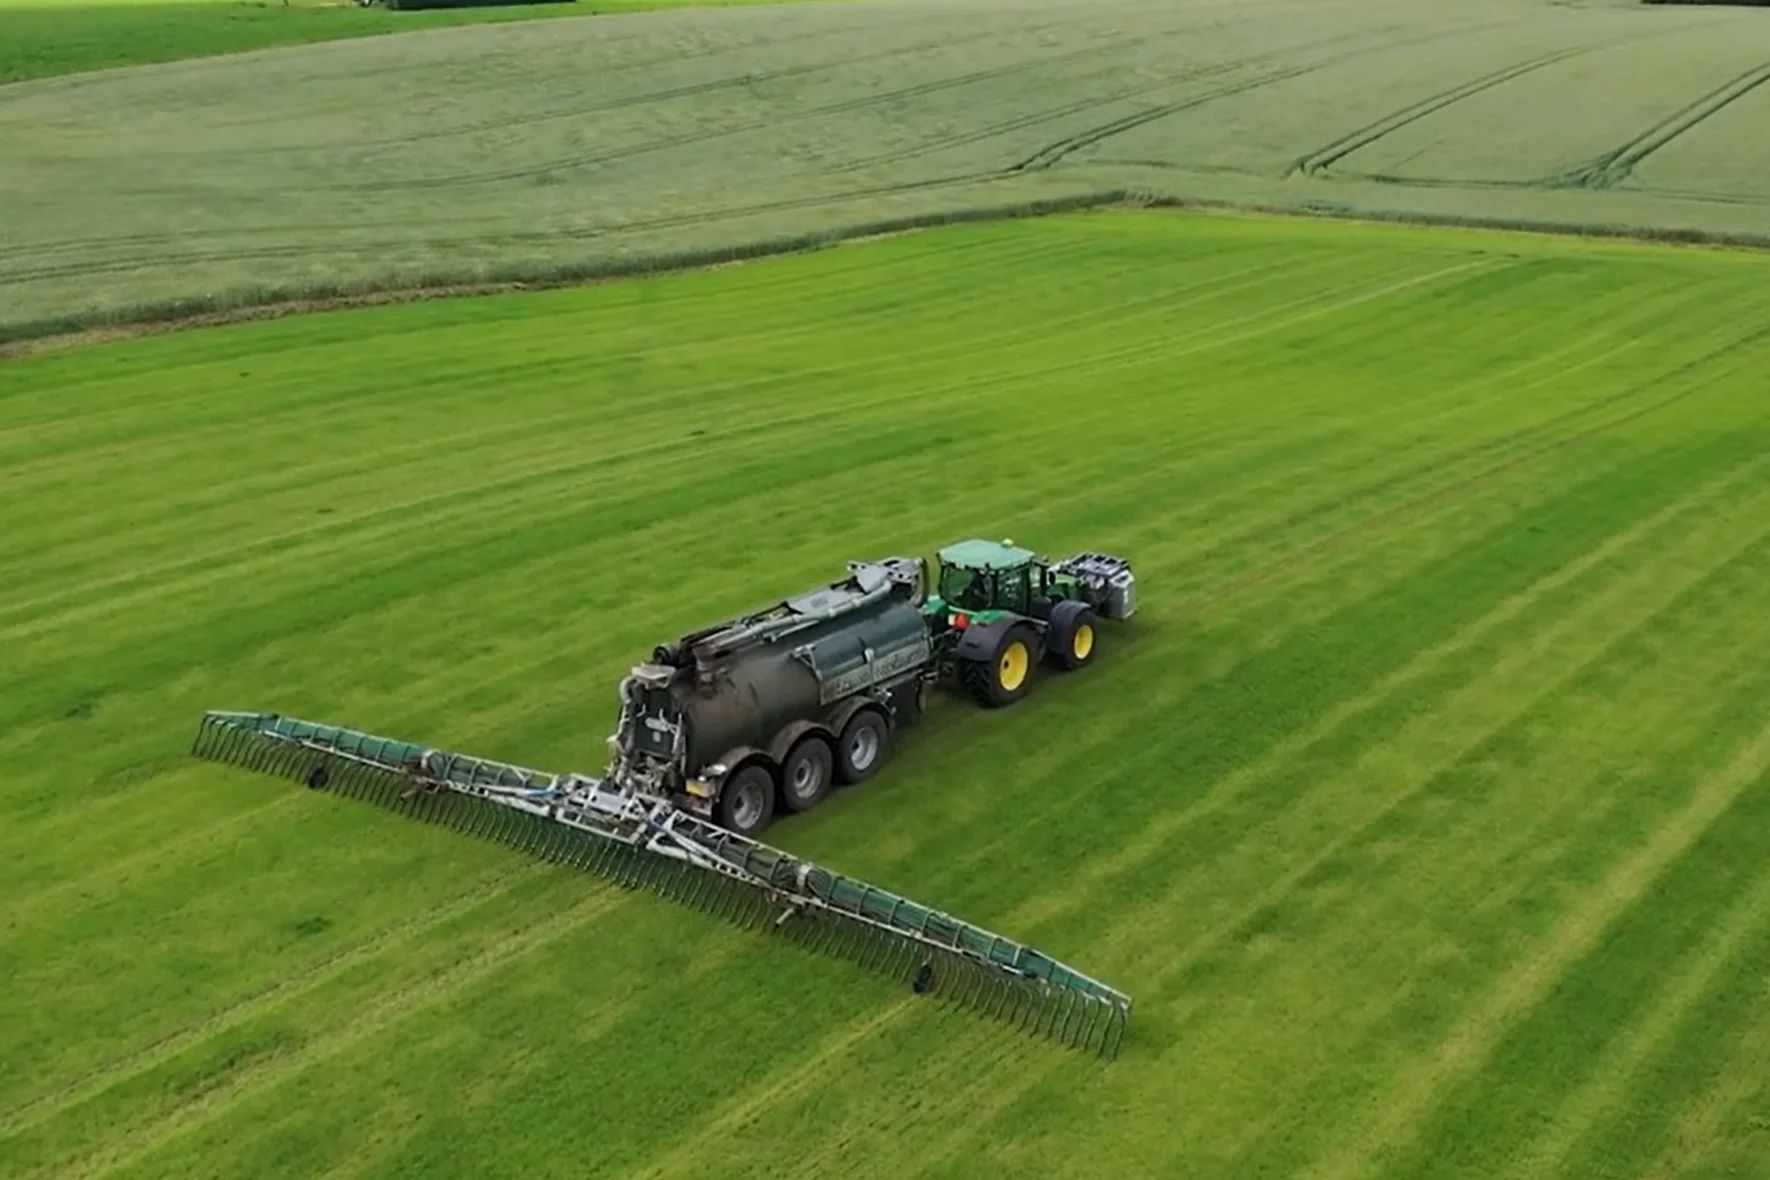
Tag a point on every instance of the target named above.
point(640, 842)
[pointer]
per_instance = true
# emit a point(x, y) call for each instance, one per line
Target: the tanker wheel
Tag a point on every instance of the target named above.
point(1005, 674)
point(805, 775)
point(862, 747)
point(746, 805)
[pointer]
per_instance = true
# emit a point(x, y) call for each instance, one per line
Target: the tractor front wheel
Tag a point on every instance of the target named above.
point(1004, 674)
point(1072, 635)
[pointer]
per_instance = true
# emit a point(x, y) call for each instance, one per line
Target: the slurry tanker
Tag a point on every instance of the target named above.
point(759, 716)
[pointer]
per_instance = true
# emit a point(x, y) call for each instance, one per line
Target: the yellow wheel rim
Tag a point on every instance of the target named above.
point(1083, 642)
point(1012, 669)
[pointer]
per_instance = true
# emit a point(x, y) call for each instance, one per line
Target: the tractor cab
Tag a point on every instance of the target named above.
point(984, 579)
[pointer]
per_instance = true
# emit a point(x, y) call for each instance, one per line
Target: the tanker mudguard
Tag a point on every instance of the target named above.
point(843, 713)
point(790, 734)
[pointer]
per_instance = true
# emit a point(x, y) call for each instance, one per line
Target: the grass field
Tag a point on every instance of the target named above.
point(46, 38)
point(1423, 811)
point(537, 149)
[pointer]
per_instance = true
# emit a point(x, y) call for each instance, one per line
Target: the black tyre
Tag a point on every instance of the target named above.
point(805, 775)
point(862, 747)
point(746, 805)
point(1006, 674)
point(1072, 636)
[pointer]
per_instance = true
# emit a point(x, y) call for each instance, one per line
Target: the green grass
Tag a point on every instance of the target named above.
point(48, 38)
point(531, 150)
point(1422, 810)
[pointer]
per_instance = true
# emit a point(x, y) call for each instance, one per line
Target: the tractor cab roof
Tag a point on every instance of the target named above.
point(977, 554)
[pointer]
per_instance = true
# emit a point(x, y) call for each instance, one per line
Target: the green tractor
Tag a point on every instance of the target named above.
point(997, 610)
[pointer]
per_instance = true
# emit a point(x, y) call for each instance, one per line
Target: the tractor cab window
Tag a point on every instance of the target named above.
point(1014, 590)
point(965, 589)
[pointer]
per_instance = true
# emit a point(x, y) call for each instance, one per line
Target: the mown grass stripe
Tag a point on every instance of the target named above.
point(1550, 644)
point(1737, 937)
point(1440, 626)
point(1522, 988)
point(286, 989)
point(1244, 670)
point(366, 1023)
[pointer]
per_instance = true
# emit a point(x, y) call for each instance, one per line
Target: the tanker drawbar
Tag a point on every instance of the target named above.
point(647, 841)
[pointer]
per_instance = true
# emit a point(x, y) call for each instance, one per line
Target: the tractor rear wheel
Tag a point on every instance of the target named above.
point(746, 805)
point(1072, 635)
point(1005, 674)
point(805, 775)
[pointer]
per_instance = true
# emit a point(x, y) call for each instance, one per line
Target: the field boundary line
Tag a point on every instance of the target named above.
point(89, 327)
point(367, 1021)
point(95, 1081)
point(1530, 980)
point(1624, 1058)
point(206, 61)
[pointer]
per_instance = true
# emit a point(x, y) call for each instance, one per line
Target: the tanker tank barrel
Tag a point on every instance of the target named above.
point(868, 583)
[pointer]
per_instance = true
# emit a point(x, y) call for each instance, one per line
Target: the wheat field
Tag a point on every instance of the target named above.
point(538, 148)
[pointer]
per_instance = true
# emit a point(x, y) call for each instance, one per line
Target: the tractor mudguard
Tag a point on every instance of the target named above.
point(980, 639)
